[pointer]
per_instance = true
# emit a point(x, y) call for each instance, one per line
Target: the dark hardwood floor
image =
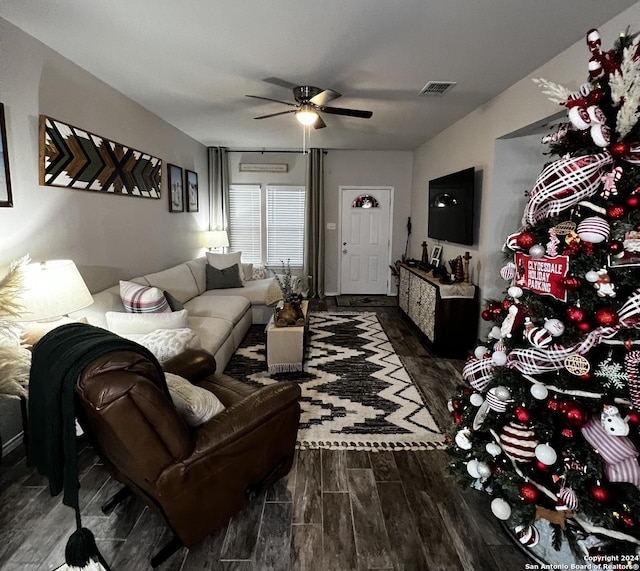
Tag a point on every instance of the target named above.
point(336, 510)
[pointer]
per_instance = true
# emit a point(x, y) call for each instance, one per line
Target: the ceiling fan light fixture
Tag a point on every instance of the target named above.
point(306, 115)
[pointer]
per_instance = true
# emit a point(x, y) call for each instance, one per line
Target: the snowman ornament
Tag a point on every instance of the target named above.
point(612, 421)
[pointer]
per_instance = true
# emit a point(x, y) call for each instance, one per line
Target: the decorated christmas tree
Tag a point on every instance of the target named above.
point(549, 423)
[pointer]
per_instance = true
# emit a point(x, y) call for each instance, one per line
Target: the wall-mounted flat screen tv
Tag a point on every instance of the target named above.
point(451, 207)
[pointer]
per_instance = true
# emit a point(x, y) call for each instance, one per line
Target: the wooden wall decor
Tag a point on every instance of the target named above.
point(74, 158)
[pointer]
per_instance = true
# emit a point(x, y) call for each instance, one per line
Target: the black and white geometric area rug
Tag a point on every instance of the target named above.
point(356, 393)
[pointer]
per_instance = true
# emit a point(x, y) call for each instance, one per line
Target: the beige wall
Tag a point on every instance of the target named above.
point(472, 142)
point(107, 236)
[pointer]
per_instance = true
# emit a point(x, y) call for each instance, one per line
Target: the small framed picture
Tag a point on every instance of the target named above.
point(176, 191)
point(436, 252)
point(191, 180)
point(5, 180)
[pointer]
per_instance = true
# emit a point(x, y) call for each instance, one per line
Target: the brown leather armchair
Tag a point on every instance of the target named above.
point(194, 478)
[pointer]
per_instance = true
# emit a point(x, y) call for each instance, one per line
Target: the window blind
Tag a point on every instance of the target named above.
point(245, 222)
point(285, 225)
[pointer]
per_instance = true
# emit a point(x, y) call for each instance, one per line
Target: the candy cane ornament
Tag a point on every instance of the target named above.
point(632, 370)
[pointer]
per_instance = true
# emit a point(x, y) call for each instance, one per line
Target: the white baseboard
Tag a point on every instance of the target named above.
point(12, 444)
point(330, 293)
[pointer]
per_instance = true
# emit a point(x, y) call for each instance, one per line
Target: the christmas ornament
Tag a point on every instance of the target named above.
point(552, 244)
point(606, 317)
point(632, 201)
point(483, 469)
point(619, 149)
point(472, 468)
point(584, 326)
point(525, 240)
point(615, 247)
point(522, 414)
point(600, 134)
point(592, 277)
point(603, 285)
point(567, 433)
point(633, 418)
point(528, 493)
point(554, 326)
point(487, 315)
point(539, 391)
point(557, 517)
point(553, 404)
point(506, 304)
point(577, 365)
point(546, 454)
point(565, 228)
point(495, 333)
point(574, 414)
point(567, 500)
point(499, 346)
point(508, 271)
point(615, 211)
point(599, 493)
point(570, 283)
point(537, 251)
point(493, 449)
point(515, 292)
point(512, 321)
point(612, 422)
point(480, 351)
point(576, 314)
point(542, 467)
point(518, 442)
point(501, 509)
point(499, 358)
point(594, 229)
point(528, 535)
point(457, 418)
point(496, 403)
point(503, 393)
point(609, 181)
point(476, 399)
point(462, 439)
point(538, 336)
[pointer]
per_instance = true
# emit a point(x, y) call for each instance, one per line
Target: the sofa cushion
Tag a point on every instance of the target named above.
point(259, 273)
point(138, 298)
point(131, 323)
point(167, 343)
point(256, 291)
point(197, 268)
point(212, 331)
point(222, 261)
point(178, 281)
point(224, 278)
point(194, 404)
point(229, 307)
point(247, 272)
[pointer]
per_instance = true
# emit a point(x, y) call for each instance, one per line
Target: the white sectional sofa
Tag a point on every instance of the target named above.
point(220, 318)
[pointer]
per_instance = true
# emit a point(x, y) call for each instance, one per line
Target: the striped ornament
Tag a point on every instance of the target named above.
point(594, 229)
point(527, 535)
point(518, 442)
point(567, 500)
point(538, 337)
point(495, 403)
point(478, 372)
point(632, 371)
point(508, 271)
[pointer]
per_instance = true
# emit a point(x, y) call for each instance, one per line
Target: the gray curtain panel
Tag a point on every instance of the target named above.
point(218, 188)
point(314, 224)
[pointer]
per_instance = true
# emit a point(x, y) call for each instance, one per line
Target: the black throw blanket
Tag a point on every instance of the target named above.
point(59, 358)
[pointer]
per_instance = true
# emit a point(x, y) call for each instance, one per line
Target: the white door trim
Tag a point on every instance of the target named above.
point(341, 190)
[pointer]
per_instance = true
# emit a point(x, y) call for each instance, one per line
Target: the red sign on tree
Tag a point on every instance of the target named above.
point(542, 275)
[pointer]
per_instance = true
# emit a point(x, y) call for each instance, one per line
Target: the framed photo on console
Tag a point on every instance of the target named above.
point(5, 180)
point(436, 253)
point(191, 180)
point(176, 190)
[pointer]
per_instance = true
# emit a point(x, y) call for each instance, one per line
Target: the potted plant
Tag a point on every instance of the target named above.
point(290, 311)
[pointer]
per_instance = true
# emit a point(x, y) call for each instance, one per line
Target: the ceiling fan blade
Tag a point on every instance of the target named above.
point(319, 123)
point(324, 97)
point(276, 114)
point(348, 112)
point(274, 100)
point(279, 82)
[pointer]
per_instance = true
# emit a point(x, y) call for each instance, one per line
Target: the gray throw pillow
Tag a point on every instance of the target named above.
point(174, 304)
point(222, 279)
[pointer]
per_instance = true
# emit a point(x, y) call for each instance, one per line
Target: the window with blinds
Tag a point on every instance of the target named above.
point(245, 214)
point(266, 223)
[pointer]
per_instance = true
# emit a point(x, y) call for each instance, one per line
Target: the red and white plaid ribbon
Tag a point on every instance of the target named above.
point(478, 372)
point(564, 183)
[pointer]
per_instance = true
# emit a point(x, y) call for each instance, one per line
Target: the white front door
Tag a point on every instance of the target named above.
point(364, 245)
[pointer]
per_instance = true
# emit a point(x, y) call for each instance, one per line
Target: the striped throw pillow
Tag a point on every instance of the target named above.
point(137, 298)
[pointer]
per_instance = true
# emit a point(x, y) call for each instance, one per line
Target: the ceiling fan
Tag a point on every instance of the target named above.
point(310, 101)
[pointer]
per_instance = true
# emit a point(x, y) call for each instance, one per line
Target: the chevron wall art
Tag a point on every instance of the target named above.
point(74, 158)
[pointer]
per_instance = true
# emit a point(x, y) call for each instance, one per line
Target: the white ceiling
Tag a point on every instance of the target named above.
point(192, 61)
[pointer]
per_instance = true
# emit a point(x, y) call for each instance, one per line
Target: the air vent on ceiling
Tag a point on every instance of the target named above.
point(437, 88)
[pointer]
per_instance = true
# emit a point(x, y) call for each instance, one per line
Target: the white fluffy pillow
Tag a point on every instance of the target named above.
point(222, 261)
point(247, 271)
point(130, 323)
point(167, 343)
point(194, 404)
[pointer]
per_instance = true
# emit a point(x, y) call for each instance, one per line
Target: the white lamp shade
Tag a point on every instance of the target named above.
point(52, 289)
point(306, 115)
point(216, 239)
